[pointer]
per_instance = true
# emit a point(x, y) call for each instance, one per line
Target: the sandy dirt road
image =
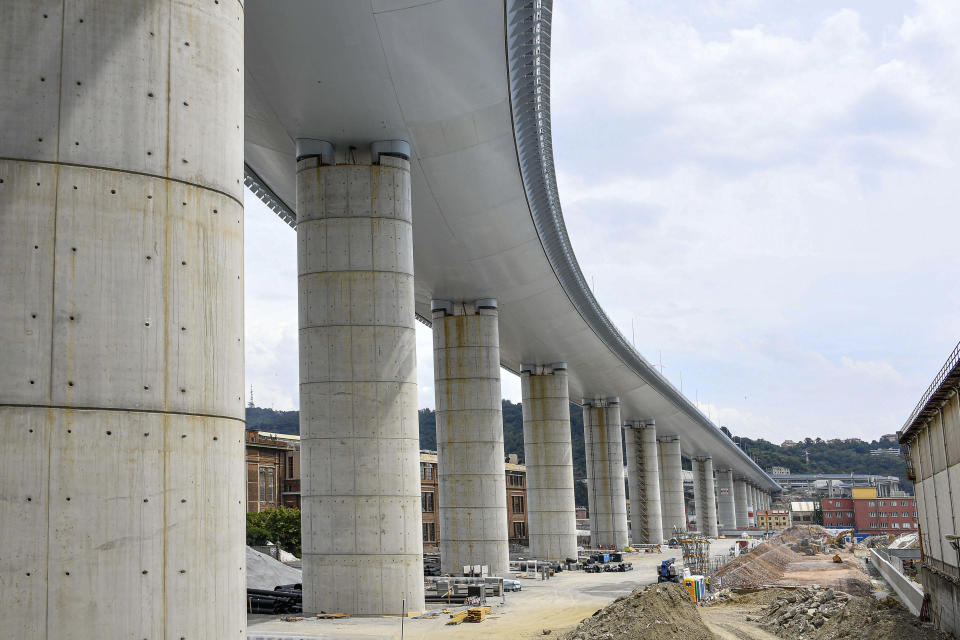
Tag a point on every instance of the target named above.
point(728, 623)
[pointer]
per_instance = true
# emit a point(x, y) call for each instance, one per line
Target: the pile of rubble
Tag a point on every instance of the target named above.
point(656, 612)
point(823, 614)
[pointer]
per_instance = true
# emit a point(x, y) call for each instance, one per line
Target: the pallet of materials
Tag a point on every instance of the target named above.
point(477, 614)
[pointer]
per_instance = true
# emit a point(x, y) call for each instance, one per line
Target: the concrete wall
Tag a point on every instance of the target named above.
point(935, 454)
point(892, 571)
point(466, 369)
point(672, 502)
point(643, 474)
point(548, 454)
point(606, 489)
point(121, 326)
point(362, 551)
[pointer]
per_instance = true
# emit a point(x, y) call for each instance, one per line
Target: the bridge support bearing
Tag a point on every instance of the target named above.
point(726, 500)
point(740, 497)
point(705, 496)
point(643, 474)
point(672, 502)
point(548, 454)
point(362, 551)
point(470, 465)
point(605, 483)
point(121, 321)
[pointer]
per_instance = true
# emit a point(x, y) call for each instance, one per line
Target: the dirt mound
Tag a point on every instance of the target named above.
point(822, 614)
point(655, 612)
point(763, 565)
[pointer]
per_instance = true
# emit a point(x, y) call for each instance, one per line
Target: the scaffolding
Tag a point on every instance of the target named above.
point(696, 551)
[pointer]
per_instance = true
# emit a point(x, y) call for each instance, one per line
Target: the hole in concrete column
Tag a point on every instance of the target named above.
point(70, 383)
point(76, 143)
point(146, 388)
point(215, 438)
point(113, 191)
point(42, 79)
point(186, 104)
point(149, 257)
point(68, 498)
point(149, 153)
point(31, 382)
point(183, 390)
point(36, 246)
point(41, 140)
point(78, 82)
point(74, 249)
point(186, 44)
point(29, 499)
point(71, 318)
point(183, 435)
point(109, 433)
point(183, 262)
point(66, 573)
point(184, 161)
point(144, 572)
point(33, 315)
point(31, 430)
point(146, 434)
point(69, 430)
point(146, 324)
point(149, 197)
point(182, 500)
point(146, 500)
point(215, 211)
point(28, 574)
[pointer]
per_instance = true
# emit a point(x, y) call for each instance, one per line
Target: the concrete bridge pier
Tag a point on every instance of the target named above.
point(548, 453)
point(672, 502)
point(705, 496)
point(360, 444)
point(741, 500)
point(643, 474)
point(471, 483)
point(121, 320)
point(606, 490)
point(751, 504)
point(726, 500)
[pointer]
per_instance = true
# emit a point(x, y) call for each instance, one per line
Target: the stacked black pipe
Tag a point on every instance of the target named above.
point(286, 598)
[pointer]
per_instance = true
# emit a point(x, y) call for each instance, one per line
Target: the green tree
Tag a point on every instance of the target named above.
point(280, 526)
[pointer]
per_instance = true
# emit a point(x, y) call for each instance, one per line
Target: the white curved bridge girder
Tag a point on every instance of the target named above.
point(466, 83)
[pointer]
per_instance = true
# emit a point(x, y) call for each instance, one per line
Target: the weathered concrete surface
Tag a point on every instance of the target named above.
point(741, 500)
point(548, 454)
point(726, 500)
point(121, 326)
point(606, 490)
point(471, 483)
point(362, 551)
point(705, 496)
point(672, 502)
point(643, 474)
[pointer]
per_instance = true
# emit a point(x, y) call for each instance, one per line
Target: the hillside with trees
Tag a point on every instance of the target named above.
point(825, 456)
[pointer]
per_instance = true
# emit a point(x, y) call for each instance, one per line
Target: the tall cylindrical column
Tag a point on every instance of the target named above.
point(705, 497)
point(548, 454)
point(751, 505)
point(471, 484)
point(362, 552)
point(672, 502)
point(605, 484)
point(726, 500)
point(643, 474)
point(741, 499)
point(121, 322)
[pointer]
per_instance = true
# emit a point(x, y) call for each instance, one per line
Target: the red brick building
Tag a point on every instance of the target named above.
point(871, 515)
point(273, 470)
point(516, 501)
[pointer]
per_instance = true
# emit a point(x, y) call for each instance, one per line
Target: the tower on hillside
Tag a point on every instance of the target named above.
point(250, 404)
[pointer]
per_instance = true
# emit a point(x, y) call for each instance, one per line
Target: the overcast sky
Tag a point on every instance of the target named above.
point(764, 193)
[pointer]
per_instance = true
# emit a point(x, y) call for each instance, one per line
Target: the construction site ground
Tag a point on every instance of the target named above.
point(554, 605)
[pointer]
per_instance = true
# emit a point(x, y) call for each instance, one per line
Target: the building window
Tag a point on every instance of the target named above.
point(896, 525)
point(427, 471)
point(429, 532)
point(849, 514)
point(290, 467)
point(427, 499)
point(517, 503)
point(263, 484)
point(883, 503)
point(883, 514)
point(519, 529)
point(271, 485)
point(871, 504)
point(836, 504)
point(515, 479)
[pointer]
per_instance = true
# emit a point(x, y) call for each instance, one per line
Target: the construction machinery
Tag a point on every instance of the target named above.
point(668, 571)
point(837, 540)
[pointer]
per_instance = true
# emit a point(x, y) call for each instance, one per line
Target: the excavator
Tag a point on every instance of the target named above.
point(837, 541)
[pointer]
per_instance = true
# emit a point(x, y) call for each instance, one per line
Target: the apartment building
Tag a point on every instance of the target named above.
point(273, 470)
point(774, 519)
point(870, 514)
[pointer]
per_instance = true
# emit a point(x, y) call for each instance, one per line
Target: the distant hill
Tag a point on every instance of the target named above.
point(833, 456)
